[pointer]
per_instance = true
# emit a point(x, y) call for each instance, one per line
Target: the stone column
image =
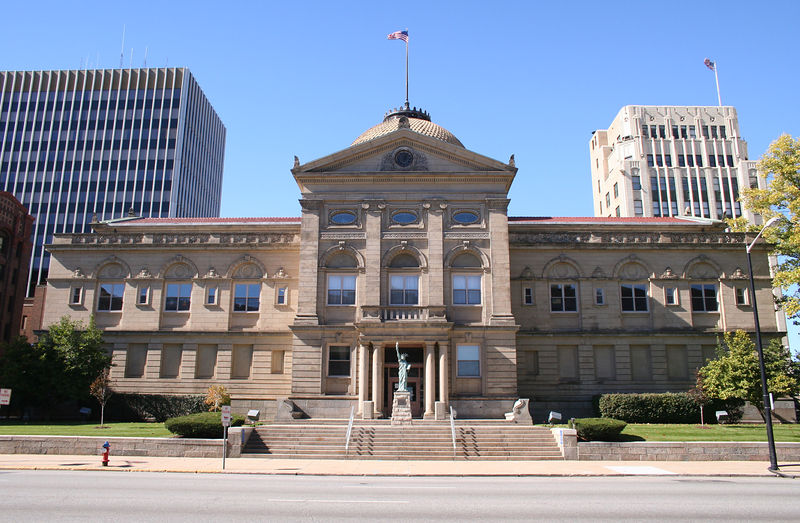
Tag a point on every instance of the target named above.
point(372, 253)
point(444, 374)
point(377, 377)
point(363, 370)
point(435, 253)
point(430, 379)
point(501, 262)
point(309, 261)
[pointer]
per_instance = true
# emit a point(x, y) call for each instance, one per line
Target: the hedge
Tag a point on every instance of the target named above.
point(598, 429)
point(667, 407)
point(153, 407)
point(201, 425)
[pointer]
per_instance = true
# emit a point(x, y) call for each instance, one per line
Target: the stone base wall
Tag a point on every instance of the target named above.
point(482, 408)
point(90, 445)
point(686, 451)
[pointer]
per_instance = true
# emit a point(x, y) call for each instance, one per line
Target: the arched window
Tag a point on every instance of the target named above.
point(404, 280)
point(467, 280)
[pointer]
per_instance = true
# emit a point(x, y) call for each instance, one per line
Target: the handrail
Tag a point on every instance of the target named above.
point(349, 431)
point(453, 430)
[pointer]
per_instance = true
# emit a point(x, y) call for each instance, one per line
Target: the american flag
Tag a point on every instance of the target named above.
point(709, 63)
point(398, 35)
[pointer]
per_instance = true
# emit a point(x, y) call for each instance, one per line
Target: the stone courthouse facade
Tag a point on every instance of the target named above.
point(404, 238)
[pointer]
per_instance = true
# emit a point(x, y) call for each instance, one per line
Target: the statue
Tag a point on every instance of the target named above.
point(402, 369)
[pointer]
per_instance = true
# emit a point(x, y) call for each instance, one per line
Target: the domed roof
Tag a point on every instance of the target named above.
point(415, 119)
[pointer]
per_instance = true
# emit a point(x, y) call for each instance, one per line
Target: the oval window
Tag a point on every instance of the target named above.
point(404, 217)
point(343, 217)
point(465, 217)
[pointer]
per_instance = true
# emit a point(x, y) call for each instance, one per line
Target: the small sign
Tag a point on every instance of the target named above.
point(5, 396)
point(226, 415)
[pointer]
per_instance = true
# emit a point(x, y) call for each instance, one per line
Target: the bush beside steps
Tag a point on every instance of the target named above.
point(597, 429)
point(201, 425)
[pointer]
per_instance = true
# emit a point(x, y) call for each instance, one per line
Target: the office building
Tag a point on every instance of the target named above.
point(671, 161)
point(80, 145)
point(15, 253)
point(403, 238)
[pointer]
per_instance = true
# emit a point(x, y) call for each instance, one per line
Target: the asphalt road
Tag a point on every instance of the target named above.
point(144, 496)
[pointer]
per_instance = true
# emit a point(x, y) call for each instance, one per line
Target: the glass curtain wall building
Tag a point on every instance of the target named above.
point(103, 144)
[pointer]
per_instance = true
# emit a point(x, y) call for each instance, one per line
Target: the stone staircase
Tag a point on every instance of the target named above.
point(423, 440)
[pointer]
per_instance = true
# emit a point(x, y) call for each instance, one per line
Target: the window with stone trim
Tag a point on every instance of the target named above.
point(179, 297)
point(341, 289)
point(110, 298)
point(403, 289)
point(704, 297)
point(282, 296)
point(466, 289)
point(469, 361)
point(633, 297)
point(339, 361)
point(563, 297)
point(671, 296)
point(246, 297)
point(527, 295)
point(76, 295)
point(742, 295)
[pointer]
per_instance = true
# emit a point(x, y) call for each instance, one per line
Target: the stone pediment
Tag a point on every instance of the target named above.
point(401, 152)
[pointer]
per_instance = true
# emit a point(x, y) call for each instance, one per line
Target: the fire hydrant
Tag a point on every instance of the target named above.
point(107, 447)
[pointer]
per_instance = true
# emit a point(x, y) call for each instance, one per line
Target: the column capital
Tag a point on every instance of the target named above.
point(497, 204)
point(310, 205)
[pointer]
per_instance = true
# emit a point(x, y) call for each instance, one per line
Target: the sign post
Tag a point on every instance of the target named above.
point(226, 422)
point(5, 396)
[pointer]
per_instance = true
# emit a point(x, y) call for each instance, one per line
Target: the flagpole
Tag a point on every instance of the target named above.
point(407, 73)
point(716, 77)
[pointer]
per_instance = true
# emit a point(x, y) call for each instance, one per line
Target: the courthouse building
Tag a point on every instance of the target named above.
point(404, 238)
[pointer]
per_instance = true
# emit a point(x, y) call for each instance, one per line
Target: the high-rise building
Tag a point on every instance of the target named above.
point(671, 161)
point(15, 252)
point(80, 145)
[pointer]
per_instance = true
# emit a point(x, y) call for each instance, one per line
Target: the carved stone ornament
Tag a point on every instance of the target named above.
point(78, 273)
point(526, 274)
point(668, 274)
point(738, 274)
point(212, 273)
point(280, 273)
point(296, 162)
point(511, 162)
point(598, 273)
point(144, 272)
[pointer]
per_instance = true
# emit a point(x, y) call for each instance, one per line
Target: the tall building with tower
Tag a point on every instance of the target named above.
point(661, 161)
point(78, 146)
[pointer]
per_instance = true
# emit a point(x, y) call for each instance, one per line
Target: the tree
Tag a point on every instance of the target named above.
point(735, 373)
point(700, 396)
point(102, 391)
point(216, 397)
point(60, 367)
point(781, 166)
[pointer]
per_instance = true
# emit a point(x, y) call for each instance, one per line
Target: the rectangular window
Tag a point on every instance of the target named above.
point(681, 160)
point(616, 211)
point(636, 183)
point(653, 133)
point(599, 296)
point(246, 297)
point(76, 295)
point(281, 296)
point(527, 296)
point(671, 295)
point(712, 160)
point(466, 290)
point(690, 160)
point(469, 363)
point(722, 132)
point(211, 296)
point(341, 290)
point(668, 160)
point(608, 200)
point(675, 131)
point(171, 354)
point(683, 131)
point(616, 190)
point(634, 297)
point(206, 361)
point(143, 295)
point(277, 363)
point(677, 362)
point(568, 362)
point(179, 296)
point(650, 160)
point(698, 159)
point(659, 160)
point(339, 361)
point(741, 296)
point(563, 297)
point(404, 290)
point(729, 160)
point(704, 129)
point(241, 361)
point(638, 209)
point(110, 297)
point(604, 362)
point(704, 298)
point(721, 160)
point(713, 131)
point(692, 132)
point(662, 131)
point(641, 369)
point(135, 359)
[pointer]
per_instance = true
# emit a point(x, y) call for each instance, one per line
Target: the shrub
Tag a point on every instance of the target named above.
point(598, 429)
point(149, 407)
point(200, 425)
point(667, 407)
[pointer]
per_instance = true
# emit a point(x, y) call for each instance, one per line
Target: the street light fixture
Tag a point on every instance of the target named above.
point(773, 458)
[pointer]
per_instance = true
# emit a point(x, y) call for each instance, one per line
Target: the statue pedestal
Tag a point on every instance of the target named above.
point(401, 408)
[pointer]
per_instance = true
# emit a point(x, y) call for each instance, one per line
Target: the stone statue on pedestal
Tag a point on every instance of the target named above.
point(403, 367)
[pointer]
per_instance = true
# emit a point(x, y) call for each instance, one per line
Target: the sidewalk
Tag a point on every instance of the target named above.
point(389, 468)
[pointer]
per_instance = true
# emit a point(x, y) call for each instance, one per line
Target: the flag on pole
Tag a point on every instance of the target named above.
point(398, 35)
point(711, 65)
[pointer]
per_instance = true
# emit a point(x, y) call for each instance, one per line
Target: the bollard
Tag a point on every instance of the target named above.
point(107, 447)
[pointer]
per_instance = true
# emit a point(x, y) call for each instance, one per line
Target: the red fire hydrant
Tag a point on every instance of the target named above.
point(107, 447)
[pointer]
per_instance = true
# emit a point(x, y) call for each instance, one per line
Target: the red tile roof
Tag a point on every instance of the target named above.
point(596, 219)
point(148, 221)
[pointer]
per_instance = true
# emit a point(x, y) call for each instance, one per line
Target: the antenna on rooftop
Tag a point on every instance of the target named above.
point(122, 47)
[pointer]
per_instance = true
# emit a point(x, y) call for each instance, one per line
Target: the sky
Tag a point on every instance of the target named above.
point(533, 79)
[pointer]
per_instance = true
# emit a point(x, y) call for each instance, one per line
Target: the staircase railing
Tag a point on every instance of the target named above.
point(349, 431)
point(453, 430)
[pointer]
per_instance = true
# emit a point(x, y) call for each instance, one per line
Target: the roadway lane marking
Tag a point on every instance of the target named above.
point(399, 486)
point(634, 469)
point(336, 501)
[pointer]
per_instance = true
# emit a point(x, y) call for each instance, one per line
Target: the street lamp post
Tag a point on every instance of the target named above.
point(773, 458)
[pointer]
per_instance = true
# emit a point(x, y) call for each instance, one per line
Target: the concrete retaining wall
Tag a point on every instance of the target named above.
point(686, 451)
point(91, 445)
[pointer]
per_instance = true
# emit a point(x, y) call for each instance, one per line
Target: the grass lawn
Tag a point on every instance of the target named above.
point(141, 430)
point(743, 432)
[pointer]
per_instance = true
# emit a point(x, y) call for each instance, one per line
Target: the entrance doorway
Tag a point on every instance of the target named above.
point(415, 383)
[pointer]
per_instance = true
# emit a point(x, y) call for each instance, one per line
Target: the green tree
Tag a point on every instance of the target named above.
point(60, 367)
point(735, 373)
point(781, 166)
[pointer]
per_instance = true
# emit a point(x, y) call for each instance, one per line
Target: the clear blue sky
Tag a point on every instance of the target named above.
point(529, 78)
